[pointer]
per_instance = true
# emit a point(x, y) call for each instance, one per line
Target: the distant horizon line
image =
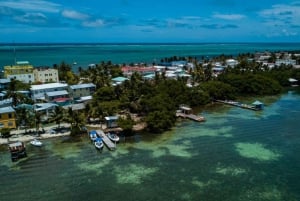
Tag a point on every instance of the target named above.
point(136, 43)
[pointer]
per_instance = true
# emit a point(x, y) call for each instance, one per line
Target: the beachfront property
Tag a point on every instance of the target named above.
point(7, 117)
point(45, 74)
point(38, 92)
point(82, 91)
point(22, 71)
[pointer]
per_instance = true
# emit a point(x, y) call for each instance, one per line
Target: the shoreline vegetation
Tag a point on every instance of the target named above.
point(150, 104)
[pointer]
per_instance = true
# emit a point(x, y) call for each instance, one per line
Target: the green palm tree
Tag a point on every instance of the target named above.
point(76, 120)
point(57, 116)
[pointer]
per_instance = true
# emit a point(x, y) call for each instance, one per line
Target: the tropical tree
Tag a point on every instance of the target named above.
point(57, 116)
point(76, 120)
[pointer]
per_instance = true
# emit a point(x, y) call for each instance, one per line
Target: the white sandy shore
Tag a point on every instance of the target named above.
point(18, 134)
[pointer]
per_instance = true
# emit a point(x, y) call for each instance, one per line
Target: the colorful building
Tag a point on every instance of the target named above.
point(45, 74)
point(7, 117)
point(22, 71)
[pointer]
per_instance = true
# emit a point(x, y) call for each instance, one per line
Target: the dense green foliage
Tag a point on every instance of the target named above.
point(157, 100)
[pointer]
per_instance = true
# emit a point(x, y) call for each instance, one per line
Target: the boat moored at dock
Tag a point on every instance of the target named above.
point(113, 137)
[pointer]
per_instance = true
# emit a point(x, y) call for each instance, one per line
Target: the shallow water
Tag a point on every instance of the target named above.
point(236, 154)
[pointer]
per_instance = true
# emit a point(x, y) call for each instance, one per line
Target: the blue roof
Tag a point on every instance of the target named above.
point(257, 103)
point(5, 110)
point(119, 79)
point(57, 93)
point(82, 86)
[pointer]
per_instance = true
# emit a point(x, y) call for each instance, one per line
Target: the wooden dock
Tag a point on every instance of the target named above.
point(186, 112)
point(190, 116)
point(109, 144)
point(240, 105)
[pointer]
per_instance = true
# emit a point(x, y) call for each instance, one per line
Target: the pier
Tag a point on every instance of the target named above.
point(186, 112)
point(256, 106)
point(109, 144)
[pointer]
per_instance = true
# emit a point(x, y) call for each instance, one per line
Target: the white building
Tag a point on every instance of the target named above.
point(285, 62)
point(45, 74)
point(39, 91)
point(231, 62)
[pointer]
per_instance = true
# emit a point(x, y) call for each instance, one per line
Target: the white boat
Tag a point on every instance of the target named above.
point(113, 137)
point(93, 135)
point(98, 143)
point(36, 143)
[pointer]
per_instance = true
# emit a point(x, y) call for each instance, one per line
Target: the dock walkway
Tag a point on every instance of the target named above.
point(238, 104)
point(109, 144)
point(190, 116)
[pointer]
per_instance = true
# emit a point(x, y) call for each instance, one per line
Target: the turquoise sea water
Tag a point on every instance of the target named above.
point(235, 155)
point(84, 54)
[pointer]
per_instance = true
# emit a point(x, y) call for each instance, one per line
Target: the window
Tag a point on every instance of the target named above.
point(10, 123)
point(0, 116)
point(9, 115)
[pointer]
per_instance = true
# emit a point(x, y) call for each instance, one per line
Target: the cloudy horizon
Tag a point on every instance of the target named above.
point(149, 21)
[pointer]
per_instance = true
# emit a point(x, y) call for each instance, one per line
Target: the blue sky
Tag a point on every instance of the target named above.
point(149, 21)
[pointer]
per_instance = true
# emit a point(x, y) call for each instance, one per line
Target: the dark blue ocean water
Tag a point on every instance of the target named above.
point(84, 54)
point(236, 155)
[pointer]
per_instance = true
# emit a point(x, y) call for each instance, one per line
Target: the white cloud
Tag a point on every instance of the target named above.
point(32, 5)
point(282, 14)
point(229, 16)
point(72, 14)
point(95, 23)
point(35, 18)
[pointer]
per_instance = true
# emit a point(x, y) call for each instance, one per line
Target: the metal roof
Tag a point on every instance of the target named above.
point(111, 118)
point(57, 93)
point(48, 86)
point(81, 86)
point(5, 110)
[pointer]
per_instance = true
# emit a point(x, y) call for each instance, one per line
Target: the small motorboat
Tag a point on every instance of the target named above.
point(113, 137)
point(36, 143)
point(93, 135)
point(99, 143)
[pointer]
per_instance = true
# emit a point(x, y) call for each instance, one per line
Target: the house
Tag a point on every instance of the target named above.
point(118, 80)
point(59, 97)
point(22, 71)
point(231, 62)
point(45, 74)
point(39, 91)
point(7, 117)
point(4, 84)
point(111, 121)
point(81, 90)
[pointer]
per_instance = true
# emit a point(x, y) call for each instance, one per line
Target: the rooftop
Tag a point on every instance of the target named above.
point(81, 86)
point(48, 86)
point(5, 110)
point(57, 93)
